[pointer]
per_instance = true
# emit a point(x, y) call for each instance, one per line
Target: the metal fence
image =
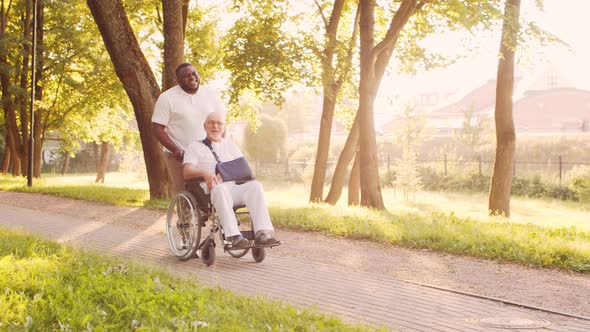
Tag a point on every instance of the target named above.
point(556, 171)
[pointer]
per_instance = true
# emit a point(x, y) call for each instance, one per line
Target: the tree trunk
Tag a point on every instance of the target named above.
point(348, 152)
point(173, 40)
point(140, 84)
point(185, 4)
point(96, 153)
point(501, 183)
point(38, 125)
point(329, 103)
point(103, 162)
point(323, 148)
point(5, 160)
point(14, 158)
point(354, 182)
point(370, 186)
point(66, 164)
point(9, 104)
point(22, 100)
point(16, 164)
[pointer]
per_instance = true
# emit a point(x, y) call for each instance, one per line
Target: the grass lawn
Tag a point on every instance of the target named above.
point(45, 286)
point(547, 233)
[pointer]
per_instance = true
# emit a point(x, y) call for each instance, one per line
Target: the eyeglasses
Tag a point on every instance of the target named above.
point(213, 123)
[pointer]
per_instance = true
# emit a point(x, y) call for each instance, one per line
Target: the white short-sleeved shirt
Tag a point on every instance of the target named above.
point(198, 153)
point(183, 114)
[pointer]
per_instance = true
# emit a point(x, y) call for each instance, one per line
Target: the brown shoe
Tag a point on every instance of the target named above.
point(238, 241)
point(265, 239)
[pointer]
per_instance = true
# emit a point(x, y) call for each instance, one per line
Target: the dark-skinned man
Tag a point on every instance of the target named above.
point(179, 115)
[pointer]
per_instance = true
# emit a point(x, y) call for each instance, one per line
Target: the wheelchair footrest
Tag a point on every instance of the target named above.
point(228, 247)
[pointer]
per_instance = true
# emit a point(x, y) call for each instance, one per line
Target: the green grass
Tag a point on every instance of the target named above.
point(122, 190)
point(540, 232)
point(45, 286)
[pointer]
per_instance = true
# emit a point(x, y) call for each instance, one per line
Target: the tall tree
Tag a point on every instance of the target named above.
point(501, 184)
point(374, 59)
point(15, 35)
point(336, 62)
point(427, 17)
point(38, 120)
point(139, 82)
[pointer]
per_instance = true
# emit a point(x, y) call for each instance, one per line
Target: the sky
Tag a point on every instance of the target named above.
point(567, 19)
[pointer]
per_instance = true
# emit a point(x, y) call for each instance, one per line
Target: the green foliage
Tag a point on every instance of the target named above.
point(203, 39)
point(580, 183)
point(44, 286)
point(260, 55)
point(535, 187)
point(434, 180)
point(267, 143)
point(437, 18)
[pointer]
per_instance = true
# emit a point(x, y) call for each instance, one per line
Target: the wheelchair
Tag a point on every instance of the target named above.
point(191, 214)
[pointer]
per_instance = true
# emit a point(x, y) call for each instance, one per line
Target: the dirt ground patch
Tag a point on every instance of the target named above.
point(546, 288)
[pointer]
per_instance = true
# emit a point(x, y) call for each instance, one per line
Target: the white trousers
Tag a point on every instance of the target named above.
point(226, 195)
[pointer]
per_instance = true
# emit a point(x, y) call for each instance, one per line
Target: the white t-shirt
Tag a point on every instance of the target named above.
point(183, 114)
point(198, 153)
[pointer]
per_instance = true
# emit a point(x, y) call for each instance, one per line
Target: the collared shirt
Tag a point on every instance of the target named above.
point(184, 114)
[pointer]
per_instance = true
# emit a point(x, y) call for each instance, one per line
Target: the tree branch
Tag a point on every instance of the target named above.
point(401, 17)
point(322, 14)
point(348, 60)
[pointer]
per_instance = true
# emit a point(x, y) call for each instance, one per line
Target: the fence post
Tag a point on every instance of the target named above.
point(514, 168)
point(480, 161)
point(286, 166)
point(445, 165)
point(560, 169)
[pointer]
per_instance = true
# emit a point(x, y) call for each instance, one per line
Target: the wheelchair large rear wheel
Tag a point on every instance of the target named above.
point(183, 226)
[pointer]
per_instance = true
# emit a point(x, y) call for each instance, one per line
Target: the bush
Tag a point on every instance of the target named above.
point(580, 183)
point(581, 187)
point(535, 187)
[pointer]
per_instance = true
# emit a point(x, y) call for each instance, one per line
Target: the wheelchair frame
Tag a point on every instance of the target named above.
point(188, 215)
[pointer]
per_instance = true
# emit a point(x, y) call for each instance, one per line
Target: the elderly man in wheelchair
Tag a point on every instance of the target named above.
point(203, 161)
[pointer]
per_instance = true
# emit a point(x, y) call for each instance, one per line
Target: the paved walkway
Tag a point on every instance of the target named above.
point(353, 296)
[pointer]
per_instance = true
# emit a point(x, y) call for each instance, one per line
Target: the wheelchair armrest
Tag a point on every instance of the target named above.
point(198, 179)
point(238, 182)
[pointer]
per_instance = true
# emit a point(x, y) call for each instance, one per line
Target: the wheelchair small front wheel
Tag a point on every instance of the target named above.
point(258, 253)
point(208, 252)
point(237, 253)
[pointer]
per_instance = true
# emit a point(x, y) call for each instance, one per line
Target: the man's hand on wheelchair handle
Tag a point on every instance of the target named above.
point(178, 155)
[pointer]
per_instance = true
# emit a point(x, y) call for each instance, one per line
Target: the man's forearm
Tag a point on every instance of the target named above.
point(164, 139)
